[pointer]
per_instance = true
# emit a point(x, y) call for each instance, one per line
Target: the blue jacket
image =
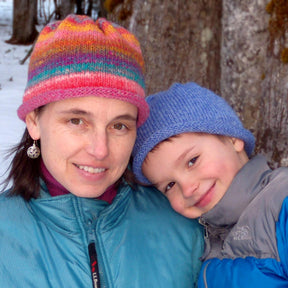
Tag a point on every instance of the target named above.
point(247, 231)
point(140, 241)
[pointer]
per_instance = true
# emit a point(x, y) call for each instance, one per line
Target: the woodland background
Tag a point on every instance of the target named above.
point(238, 49)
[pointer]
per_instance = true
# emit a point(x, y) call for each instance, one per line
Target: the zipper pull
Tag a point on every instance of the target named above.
point(203, 223)
point(207, 247)
point(94, 265)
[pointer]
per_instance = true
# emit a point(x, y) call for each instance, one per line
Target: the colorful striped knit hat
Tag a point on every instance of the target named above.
point(80, 57)
point(186, 108)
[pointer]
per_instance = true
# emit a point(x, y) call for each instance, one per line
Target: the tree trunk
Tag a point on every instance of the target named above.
point(24, 21)
point(64, 8)
point(232, 47)
point(79, 8)
point(254, 80)
point(180, 40)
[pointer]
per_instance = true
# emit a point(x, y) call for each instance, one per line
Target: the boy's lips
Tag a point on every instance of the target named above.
point(205, 198)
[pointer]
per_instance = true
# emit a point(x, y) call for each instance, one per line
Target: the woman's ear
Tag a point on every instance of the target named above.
point(32, 123)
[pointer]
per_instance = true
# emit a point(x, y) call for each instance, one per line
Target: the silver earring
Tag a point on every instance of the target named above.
point(33, 151)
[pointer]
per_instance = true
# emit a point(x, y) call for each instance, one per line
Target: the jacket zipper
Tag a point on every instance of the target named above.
point(205, 225)
point(94, 265)
point(204, 275)
point(206, 237)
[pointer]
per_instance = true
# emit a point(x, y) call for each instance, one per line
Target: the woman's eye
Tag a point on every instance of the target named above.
point(119, 126)
point(76, 121)
point(192, 161)
point(169, 186)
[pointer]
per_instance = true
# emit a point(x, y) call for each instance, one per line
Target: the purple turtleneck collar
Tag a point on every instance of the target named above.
point(56, 189)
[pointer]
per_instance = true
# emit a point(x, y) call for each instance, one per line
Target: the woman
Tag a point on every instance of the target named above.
point(71, 218)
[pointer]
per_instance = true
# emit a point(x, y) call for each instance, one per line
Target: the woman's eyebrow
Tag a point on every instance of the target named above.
point(75, 111)
point(126, 117)
point(84, 112)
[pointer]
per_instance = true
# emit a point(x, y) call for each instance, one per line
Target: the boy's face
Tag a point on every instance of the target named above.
point(195, 170)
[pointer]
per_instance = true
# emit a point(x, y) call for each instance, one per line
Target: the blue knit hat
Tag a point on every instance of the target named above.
point(186, 108)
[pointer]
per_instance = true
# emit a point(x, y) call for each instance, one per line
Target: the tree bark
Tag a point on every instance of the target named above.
point(180, 40)
point(64, 8)
point(226, 46)
point(254, 80)
point(24, 21)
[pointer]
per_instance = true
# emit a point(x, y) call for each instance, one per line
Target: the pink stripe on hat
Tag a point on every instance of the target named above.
point(79, 57)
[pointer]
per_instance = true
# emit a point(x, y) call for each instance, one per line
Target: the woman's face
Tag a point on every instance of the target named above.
point(86, 142)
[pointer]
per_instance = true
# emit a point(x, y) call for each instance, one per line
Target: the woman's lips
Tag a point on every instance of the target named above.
point(91, 169)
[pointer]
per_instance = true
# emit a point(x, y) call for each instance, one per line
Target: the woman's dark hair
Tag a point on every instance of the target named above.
point(24, 172)
point(128, 176)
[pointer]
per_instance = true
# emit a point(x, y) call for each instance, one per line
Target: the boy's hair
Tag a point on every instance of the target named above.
point(186, 108)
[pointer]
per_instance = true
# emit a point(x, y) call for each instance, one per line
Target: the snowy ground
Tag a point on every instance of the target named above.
point(12, 84)
point(13, 77)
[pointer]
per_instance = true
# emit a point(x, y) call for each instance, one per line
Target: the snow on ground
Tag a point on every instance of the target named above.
point(13, 78)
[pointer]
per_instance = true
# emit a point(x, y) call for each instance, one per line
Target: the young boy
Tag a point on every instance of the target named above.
point(195, 150)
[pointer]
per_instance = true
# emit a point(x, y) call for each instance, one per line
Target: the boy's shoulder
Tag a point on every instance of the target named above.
point(274, 190)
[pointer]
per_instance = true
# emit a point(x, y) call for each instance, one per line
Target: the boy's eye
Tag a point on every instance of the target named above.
point(169, 186)
point(76, 121)
point(192, 161)
point(119, 126)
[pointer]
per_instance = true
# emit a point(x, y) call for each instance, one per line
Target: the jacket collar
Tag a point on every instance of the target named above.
point(244, 187)
point(65, 212)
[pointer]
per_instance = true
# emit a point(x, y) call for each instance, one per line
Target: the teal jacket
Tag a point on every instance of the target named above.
point(140, 242)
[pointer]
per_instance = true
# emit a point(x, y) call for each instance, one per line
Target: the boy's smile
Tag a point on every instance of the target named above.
point(194, 170)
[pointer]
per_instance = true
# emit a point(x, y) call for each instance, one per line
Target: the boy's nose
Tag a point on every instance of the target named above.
point(188, 189)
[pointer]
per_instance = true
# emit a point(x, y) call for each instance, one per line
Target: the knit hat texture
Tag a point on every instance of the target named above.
point(79, 57)
point(186, 108)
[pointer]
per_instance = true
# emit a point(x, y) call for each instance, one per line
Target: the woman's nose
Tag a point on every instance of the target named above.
point(98, 145)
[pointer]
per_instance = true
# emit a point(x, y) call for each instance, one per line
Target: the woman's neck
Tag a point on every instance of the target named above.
point(56, 189)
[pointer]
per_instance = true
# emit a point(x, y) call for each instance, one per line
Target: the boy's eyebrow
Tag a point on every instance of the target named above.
point(183, 154)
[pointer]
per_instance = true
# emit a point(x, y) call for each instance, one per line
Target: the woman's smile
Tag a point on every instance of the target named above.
point(90, 169)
